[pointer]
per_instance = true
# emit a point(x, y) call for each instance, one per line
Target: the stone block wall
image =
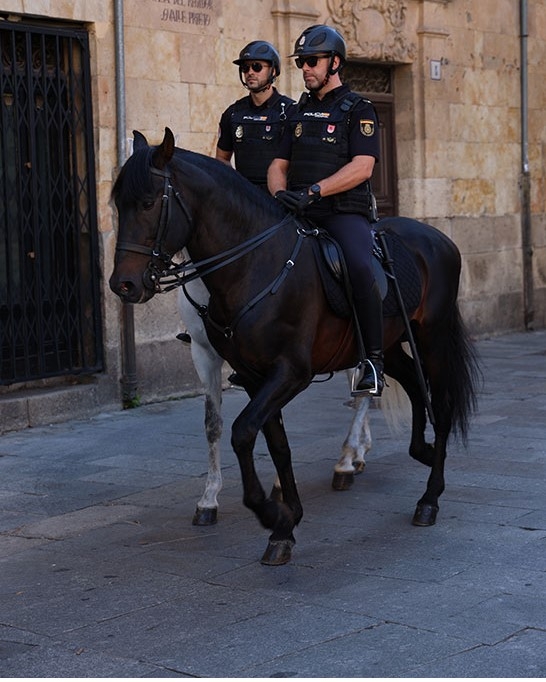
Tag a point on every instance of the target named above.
point(458, 137)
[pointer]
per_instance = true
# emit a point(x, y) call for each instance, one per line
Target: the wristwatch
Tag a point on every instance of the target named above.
point(315, 191)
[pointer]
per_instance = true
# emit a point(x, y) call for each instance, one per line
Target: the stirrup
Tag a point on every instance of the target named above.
point(358, 375)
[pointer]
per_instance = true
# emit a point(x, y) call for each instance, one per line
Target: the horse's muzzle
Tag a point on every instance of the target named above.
point(131, 290)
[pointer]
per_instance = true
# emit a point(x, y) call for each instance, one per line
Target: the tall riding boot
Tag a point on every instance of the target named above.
point(368, 376)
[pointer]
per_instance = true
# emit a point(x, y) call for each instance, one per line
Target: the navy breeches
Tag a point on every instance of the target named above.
point(353, 233)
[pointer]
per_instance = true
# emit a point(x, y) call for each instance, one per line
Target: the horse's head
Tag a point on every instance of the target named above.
point(170, 198)
point(154, 222)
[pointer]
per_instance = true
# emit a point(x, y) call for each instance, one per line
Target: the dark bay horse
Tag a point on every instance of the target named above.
point(269, 318)
point(208, 365)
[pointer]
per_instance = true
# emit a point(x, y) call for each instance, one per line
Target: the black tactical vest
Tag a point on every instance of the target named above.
point(320, 147)
point(256, 134)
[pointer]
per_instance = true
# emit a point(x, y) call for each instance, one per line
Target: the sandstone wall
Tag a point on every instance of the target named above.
point(458, 136)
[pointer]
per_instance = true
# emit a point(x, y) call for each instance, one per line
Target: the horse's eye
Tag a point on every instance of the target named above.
point(147, 205)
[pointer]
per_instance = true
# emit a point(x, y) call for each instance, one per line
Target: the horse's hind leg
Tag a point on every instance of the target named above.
point(438, 371)
point(427, 507)
point(400, 366)
point(453, 373)
point(355, 447)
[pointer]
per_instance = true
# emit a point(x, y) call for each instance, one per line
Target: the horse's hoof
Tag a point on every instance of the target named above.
point(278, 552)
point(343, 480)
point(425, 515)
point(205, 517)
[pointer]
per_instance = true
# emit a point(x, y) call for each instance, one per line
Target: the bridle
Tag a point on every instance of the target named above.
point(153, 274)
point(173, 274)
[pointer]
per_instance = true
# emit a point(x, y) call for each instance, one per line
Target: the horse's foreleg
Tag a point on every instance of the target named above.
point(282, 540)
point(357, 444)
point(263, 412)
point(206, 513)
point(208, 365)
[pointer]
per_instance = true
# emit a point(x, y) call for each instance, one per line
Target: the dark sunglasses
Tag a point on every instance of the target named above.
point(311, 61)
point(255, 66)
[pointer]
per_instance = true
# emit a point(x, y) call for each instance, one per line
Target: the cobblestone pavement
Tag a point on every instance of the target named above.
point(103, 575)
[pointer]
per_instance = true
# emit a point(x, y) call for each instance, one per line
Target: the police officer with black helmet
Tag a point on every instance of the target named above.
point(322, 171)
point(251, 128)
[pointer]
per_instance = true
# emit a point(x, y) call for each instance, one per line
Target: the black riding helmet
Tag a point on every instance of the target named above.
point(321, 39)
point(264, 51)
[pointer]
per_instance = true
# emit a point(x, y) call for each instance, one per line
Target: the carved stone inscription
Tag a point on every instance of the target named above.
point(373, 29)
point(194, 16)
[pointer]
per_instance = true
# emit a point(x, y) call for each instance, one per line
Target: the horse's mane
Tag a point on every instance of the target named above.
point(241, 198)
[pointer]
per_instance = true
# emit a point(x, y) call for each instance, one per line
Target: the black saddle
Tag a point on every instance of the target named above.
point(335, 280)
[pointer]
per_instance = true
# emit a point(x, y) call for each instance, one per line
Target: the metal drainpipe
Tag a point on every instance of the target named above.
point(525, 180)
point(128, 359)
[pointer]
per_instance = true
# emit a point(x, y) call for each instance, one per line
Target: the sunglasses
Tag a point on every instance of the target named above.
point(255, 66)
point(311, 61)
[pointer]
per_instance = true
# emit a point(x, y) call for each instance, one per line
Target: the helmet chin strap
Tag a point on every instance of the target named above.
point(265, 87)
point(331, 72)
point(322, 85)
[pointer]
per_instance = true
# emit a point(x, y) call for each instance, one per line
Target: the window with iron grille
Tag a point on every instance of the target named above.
point(50, 321)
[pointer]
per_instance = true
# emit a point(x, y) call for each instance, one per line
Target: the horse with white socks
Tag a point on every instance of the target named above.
point(208, 365)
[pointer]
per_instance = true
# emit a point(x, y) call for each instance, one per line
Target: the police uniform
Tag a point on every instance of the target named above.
point(323, 136)
point(253, 133)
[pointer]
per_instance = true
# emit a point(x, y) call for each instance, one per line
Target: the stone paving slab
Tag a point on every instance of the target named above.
point(103, 574)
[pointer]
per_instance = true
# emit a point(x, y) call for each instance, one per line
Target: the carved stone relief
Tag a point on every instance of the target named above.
point(373, 29)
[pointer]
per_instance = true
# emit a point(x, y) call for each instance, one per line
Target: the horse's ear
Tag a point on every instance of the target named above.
point(139, 140)
point(164, 153)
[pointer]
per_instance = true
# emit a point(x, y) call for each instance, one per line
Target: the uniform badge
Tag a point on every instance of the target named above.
point(331, 128)
point(298, 130)
point(366, 127)
point(239, 132)
point(267, 129)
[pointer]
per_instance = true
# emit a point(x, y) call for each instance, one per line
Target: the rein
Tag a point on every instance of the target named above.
point(223, 258)
point(174, 274)
point(271, 288)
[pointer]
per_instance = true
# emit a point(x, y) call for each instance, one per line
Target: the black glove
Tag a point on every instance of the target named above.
point(295, 201)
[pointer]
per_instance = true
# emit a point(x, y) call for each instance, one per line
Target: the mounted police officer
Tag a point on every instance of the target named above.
point(326, 158)
point(251, 128)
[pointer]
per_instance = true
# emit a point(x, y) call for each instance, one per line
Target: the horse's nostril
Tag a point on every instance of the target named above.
point(122, 288)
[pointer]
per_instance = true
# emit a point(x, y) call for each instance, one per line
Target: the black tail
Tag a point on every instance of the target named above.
point(464, 376)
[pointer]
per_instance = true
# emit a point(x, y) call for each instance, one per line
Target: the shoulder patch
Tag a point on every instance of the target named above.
point(366, 127)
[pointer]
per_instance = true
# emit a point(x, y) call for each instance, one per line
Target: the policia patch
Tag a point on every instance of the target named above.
point(366, 127)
